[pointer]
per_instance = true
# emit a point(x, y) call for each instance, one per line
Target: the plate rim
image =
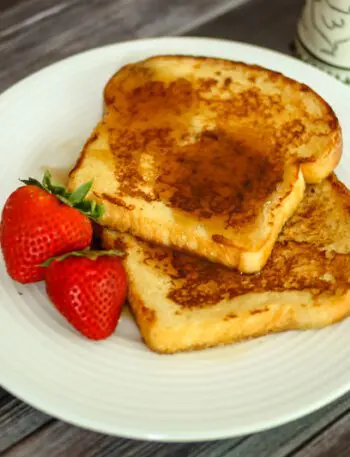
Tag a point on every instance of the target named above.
point(183, 436)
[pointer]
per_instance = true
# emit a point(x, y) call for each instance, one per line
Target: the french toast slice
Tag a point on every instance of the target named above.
point(183, 302)
point(206, 155)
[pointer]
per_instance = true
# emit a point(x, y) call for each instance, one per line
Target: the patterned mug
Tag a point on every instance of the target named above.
point(323, 36)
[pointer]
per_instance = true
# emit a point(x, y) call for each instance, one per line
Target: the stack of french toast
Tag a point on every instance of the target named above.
point(217, 181)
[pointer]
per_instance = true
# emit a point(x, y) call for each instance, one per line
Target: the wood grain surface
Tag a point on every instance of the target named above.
point(35, 33)
point(266, 23)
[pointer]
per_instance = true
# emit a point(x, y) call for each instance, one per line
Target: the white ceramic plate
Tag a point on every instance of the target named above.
point(118, 386)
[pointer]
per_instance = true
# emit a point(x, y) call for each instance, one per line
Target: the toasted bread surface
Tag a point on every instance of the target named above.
point(182, 302)
point(207, 155)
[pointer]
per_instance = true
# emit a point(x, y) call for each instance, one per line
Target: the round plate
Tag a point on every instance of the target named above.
point(118, 386)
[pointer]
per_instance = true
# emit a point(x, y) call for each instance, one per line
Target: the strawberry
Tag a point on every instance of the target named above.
point(89, 289)
point(42, 220)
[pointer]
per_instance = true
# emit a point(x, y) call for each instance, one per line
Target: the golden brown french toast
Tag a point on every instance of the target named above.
point(207, 155)
point(183, 302)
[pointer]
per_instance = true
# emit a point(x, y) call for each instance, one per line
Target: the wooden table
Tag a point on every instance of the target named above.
point(35, 33)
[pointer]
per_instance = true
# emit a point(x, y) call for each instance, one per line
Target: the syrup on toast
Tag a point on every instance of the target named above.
point(182, 302)
point(206, 155)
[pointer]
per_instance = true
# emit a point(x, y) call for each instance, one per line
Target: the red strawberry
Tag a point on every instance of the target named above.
point(89, 289)
point(43, 220)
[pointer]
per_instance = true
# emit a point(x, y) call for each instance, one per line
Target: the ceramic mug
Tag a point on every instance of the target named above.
point(323, 36)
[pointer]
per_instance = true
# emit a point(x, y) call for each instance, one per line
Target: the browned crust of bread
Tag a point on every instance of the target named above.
point(228, 251)
point(341, 189)
point(311, 169)
point(81, 158)
point(200, 59)
point(125, 218)
point(304, 285)
point(251, 262)
point(167, 340)
point(229, 255)
point(311, 173)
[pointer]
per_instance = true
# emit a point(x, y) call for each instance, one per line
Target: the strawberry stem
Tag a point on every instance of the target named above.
point(75, 199)
point(93, 255)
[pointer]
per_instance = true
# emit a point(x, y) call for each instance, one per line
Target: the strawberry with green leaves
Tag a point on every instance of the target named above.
point(89, 289)
point(42, 220)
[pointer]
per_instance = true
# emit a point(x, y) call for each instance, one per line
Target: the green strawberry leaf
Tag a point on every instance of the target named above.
point(79, 194)
point(47, 180)
point(98, 211)
point(64, 200)
point(91, 208)
point(75, 199)
point(31, 182)
point(58, 190)
point(54, 188)
point(90, 254)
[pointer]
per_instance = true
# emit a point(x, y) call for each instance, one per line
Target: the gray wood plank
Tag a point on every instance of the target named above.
point(4, 4)
point(3, 393)
point(270, 24)
point(60, 440)
point(17, 420)
point(284, 440)
point(334, 442)
point(36, 33)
